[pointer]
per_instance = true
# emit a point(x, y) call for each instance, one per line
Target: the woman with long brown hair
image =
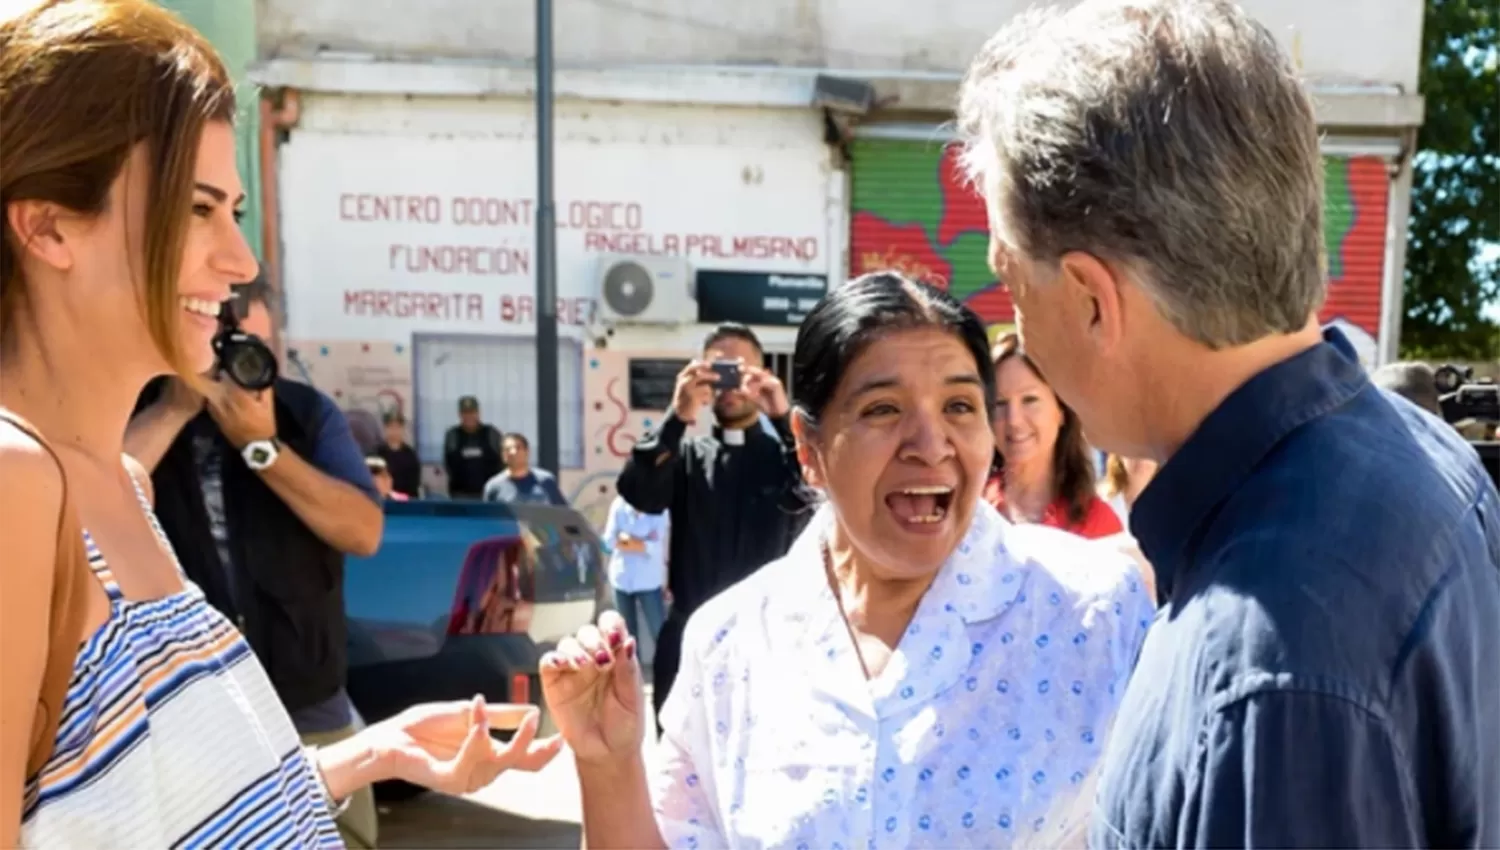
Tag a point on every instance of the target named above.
point(1042, 469)
point(120, 197)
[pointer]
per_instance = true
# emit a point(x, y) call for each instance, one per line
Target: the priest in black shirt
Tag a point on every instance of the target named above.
point(735, 497)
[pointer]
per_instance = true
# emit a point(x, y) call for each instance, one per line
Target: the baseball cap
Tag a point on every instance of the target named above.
point(468, 404)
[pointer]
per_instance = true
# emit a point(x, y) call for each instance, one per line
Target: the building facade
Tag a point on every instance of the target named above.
point(712, 162)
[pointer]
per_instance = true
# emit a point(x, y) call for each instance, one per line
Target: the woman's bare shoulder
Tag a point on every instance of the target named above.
point(31, 493)
point(29, 471)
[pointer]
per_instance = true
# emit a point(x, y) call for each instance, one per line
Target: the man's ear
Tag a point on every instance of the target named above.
point(803, 432)
point(1095, 297)
point(38, 230)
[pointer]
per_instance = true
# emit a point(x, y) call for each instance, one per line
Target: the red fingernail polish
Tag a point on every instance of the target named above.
point(630, 650)
point(601, 657)
point(614, 640)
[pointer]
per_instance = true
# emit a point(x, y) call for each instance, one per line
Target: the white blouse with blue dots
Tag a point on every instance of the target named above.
point(984, 723)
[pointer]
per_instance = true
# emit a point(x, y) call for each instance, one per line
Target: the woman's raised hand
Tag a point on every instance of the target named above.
point(592, 685)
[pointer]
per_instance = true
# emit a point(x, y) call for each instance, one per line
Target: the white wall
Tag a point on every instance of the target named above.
point(1338, 41)
point(371, 187)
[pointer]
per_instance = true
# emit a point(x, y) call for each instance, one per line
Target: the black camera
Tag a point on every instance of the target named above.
point(1463, 399)
point(244, 357)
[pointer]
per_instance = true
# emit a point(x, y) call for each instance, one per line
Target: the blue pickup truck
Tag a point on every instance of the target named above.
point(463, 598)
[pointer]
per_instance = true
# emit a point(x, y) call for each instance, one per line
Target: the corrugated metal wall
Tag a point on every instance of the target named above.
point(910, 209)
point(1357, 192)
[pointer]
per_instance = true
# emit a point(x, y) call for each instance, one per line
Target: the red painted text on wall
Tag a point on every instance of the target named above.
point(441, 306)
point(481, 260)
point(706, 245)
point(470, 307)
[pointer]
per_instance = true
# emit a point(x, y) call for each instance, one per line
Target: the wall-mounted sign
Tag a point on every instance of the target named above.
point(653, 382)
point(437, 246)
point(758, 298)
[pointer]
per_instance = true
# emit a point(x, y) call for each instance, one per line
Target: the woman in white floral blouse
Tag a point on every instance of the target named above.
point(916, 672)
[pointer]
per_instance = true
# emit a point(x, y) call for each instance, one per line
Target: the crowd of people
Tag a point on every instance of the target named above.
point(895, 604)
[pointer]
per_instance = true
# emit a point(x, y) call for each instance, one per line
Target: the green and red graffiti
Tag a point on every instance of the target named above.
point(912, 210)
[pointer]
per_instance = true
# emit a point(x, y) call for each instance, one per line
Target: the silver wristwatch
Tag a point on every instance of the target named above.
point(260, 454)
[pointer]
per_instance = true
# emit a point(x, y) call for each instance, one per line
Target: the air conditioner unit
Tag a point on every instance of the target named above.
point(640, 290)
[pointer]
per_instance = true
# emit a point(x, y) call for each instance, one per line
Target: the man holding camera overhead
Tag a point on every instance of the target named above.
point(262, 494)
point(734, 495)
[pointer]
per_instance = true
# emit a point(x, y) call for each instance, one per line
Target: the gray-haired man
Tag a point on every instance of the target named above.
point(1323, 671)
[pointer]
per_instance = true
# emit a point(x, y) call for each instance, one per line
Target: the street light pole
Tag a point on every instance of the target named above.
point(546, 250)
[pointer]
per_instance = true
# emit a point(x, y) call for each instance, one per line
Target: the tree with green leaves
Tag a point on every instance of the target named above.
point(1453, 245)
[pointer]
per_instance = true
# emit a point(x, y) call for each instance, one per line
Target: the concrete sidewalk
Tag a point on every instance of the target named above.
point(519, 810)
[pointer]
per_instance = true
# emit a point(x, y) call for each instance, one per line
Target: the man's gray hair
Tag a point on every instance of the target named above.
point(1171, 138)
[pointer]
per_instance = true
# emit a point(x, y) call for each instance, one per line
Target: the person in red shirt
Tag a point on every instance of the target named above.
point(1042, 472)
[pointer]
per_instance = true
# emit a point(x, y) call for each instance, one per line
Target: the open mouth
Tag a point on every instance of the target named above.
point(200, 307)
point(923, 505)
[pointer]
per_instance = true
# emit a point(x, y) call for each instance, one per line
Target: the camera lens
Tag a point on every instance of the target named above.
point(247, 361)
point(1447, 378)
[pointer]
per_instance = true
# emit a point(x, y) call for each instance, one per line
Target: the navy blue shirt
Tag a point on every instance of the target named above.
point(1326, 672)
point(335, 453)
point(536, 487)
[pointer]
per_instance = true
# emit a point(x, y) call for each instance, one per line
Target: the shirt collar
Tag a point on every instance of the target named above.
point(963, 584)
point(934, 653)
point(764, 427)
point(1231, 442)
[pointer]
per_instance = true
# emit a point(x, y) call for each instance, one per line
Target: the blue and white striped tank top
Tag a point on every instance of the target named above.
point(172, 736)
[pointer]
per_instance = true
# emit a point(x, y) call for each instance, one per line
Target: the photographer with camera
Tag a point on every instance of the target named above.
point(1473, 407)
point(734, 495)
point(262, 491)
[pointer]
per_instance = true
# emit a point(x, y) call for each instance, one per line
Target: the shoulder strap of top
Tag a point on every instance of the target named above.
point(66, 615)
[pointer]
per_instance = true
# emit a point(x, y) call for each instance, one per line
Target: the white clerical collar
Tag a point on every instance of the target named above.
point(733, 437)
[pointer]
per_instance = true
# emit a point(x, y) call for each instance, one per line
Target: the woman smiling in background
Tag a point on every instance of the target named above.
point(1043, 473)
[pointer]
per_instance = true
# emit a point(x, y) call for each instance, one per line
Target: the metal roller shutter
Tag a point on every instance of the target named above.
point(1356, 191)
point(910, 209)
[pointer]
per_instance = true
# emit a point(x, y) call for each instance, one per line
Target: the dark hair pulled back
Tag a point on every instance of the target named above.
point(856, 315)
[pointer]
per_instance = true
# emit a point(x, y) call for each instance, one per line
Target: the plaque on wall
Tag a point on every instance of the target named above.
point(653, 381)
point(758, 298)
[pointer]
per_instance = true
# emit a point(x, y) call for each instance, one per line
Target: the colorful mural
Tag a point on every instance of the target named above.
point(911, 209)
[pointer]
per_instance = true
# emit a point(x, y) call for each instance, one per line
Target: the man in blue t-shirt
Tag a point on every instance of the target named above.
point(519, 483)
